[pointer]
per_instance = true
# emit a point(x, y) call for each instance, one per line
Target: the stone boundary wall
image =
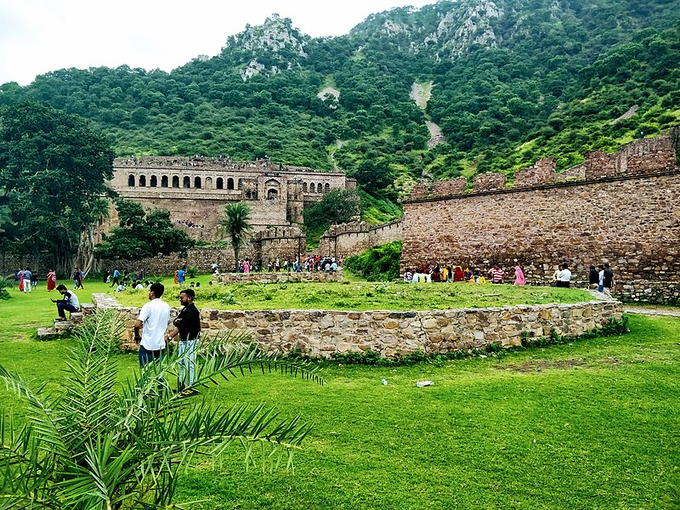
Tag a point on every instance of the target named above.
point(321, 333)
point(341, 241)
point(277, 277)
point(639, 157)
point(630, 221)
point(283, 243)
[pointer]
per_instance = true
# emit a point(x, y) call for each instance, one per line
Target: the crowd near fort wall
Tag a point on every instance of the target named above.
point(625, 212)
point(321, 333)
point(341, 241)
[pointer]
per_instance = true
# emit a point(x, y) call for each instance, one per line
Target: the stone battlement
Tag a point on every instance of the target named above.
point(639, 157)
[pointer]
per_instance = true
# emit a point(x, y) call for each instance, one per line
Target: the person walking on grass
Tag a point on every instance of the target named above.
point(69, 303)
point(153, 319)
point(188, 328)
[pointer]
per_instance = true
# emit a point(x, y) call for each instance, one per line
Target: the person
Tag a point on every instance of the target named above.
point(34, 279)
point(607, 279)
point(28, 275)
point(188, 328)
point(139, 285)
point(69, 303)
point(564, 277)
point(105, 276)
point(116, 278)
point(120, 287)
point(458, 274)
point(181, 275)
point(198, 285)
point(519, 276)
point(19, 276)
point(246, 266)
point(153, 319)
point(175, 280)
point(600, 279)
point(51, 280)
point(593, 278)
point(497, 274)
point(214, 267)
point(408, 276)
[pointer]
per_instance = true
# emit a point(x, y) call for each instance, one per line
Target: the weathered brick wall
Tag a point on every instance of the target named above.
point(324, 332)
point(341, 241)
point(489, 182)
point(543, 172)
point(450, 187)
point(283, 243)
point(632, 222)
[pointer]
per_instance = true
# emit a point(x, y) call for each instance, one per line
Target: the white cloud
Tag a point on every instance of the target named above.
point(38, 36)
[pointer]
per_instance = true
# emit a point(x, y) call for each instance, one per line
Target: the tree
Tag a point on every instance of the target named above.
point(237, 227)
point(54, 168)
point(336, 206)
point(97, 444)
point(142, 235)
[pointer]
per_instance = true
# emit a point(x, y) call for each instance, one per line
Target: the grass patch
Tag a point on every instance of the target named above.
point(360, 295)
point(590, 424)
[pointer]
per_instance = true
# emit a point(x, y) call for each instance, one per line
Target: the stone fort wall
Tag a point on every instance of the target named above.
point(196, 189)
point(625, 211)
point(341, 241)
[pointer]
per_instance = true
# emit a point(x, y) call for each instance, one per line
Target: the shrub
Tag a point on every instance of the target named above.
point(378, 263)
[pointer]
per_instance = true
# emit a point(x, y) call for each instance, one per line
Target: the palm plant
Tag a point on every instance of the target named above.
point(237, 227)
point(97, 445)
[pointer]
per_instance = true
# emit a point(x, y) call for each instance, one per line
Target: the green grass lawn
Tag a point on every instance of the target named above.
point(594, 424)
point(361, 295)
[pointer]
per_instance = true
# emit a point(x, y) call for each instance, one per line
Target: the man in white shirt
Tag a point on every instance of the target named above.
point(153, 319)
point(564, 276)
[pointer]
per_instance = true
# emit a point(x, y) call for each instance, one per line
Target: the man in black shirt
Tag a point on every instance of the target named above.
point(188, 328)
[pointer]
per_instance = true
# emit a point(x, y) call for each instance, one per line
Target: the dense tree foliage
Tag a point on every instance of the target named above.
point(142, 235)
point(513, 81)
point(53, 167)
point(336, 206)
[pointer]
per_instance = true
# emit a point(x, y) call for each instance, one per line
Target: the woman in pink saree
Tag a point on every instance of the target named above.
point(519, 276)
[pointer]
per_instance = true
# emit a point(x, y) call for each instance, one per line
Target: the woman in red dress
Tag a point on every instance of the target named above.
point(51, 280)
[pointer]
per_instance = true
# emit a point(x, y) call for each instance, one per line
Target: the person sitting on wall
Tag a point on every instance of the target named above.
point(69, 303)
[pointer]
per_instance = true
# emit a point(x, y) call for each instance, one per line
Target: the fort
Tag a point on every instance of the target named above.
point(196, 189)
point(621, 208)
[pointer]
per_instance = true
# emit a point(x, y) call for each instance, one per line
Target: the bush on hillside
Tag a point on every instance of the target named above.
point(378, 263)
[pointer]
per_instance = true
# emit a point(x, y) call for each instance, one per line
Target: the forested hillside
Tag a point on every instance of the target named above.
point(506, 81)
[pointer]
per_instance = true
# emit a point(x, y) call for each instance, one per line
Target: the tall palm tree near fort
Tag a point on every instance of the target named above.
point(237, 227)
point(95, 443)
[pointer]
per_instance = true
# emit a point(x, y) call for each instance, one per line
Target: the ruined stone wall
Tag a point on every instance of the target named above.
point(283, 243)
point(341, 241)
point(541, 173)
point(632, 222)
point(321, 333)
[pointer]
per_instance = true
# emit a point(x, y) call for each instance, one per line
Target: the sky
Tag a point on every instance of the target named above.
point(38, 36)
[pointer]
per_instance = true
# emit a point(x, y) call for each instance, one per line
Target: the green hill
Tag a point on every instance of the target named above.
point(506, 81)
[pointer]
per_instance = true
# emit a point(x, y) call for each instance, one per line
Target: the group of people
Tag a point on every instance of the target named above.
point(437, 273)
point(153, 321)
point(26, 279)
point(311, 263)
point(602, 277)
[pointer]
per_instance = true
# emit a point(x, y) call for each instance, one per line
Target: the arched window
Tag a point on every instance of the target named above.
point(197, 182)
point(272, 194)
point(208, 183)
point(220, 183)
point(304, 187)
point(187, 182)
point(131, 181)
point(154, 181)
point(175, 181)
point(164, 181)
point(312, 189)
point(142, 180)
point(230, 183)
point(326, 188)
point(240, 184)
